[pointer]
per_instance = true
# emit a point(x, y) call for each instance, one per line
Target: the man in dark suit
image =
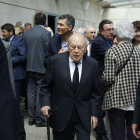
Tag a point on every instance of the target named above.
point(18, 51)
point(36, 39)
point(58, 44)
point(136, 117)
point(70, 89)
point(98, 49)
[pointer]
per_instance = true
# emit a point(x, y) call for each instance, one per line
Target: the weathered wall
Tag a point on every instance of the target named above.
point(24, 10)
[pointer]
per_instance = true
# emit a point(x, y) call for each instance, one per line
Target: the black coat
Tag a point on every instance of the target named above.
point(11, 120)
point(136, 118)
point(98, 50)
point(57, 91)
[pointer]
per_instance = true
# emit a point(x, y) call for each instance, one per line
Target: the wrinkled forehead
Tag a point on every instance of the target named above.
point(77, 40)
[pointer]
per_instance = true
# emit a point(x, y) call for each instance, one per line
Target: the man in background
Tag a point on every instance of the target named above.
point(90, 34)
point(27, 26)
point(59, 44)
point(37, 40)
point(18, 51)
point(98, 49)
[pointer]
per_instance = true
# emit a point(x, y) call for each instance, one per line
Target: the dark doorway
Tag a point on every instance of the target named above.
point(51, 22)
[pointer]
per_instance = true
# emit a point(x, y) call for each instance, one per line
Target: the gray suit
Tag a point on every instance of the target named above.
point(36, 39)
point(9, 58)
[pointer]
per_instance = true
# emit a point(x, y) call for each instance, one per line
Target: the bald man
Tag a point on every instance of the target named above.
point(90, 34)
point(70, 89)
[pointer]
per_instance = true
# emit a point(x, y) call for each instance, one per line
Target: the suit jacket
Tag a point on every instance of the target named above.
point(123, 87)
point(37, 40)
point(53, 48)
point(136, 117)
point(11, 120)
point(9, 58)
point(98, 50)
point(18, 51)
point(57, 91)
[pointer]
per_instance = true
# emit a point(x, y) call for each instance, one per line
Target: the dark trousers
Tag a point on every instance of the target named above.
point(33, 89)
point(120, 122)
point(74, 125)
point(100, 129)
point(18, 90)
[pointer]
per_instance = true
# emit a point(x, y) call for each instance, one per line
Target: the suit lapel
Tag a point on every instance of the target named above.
point(13, 41)
point(85, 72)
point(58, 43)
point(64, 66)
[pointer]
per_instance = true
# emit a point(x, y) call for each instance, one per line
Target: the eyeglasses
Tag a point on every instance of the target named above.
point(109, 30)
point(73, 47)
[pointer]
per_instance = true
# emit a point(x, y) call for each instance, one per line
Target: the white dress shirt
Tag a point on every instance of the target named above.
point(89, 49)
point(72, 68)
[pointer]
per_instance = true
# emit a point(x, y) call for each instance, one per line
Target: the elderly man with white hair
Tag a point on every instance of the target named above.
point(121, 75)
point(90, 34)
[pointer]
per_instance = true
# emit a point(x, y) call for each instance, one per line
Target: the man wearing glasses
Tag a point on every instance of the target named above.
point(98, 49)
point(70, 89)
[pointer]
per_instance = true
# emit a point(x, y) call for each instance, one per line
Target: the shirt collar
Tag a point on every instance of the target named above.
point(71, 60)
point(10, 39)
point(42, 26)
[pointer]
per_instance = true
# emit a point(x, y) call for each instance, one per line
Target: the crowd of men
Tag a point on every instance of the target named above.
point(58, 73)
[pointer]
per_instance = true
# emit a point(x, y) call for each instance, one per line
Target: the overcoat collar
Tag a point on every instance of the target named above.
point(66, 72)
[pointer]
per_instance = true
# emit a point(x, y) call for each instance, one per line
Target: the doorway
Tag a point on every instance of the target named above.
point(51, 22)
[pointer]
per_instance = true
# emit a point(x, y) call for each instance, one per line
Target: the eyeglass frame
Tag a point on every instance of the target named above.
point(109, 30)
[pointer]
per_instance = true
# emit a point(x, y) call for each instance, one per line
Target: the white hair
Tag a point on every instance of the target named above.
point(125, 31)
point(86, 28)
point(81, 32)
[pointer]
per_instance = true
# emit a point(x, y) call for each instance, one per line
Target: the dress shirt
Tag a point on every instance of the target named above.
point(72, 68)
point(128, 107)
point(110, 44)
point(64, 45)
point(9, 41)
point(42, 26)
point(89, 49)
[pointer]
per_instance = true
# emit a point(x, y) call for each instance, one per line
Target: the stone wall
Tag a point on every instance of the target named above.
point(24, 10)
point(121, 14)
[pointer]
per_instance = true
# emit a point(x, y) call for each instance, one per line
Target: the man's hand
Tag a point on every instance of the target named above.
point(61, 50)
point(94, 121)
point(44, 111)
point(135, 132)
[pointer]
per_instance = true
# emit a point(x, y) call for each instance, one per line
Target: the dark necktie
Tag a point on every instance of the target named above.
point(111, 43)
point(76, 77)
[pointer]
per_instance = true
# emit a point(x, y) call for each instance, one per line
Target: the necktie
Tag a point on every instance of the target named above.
point(111, 43)
point(76, 77)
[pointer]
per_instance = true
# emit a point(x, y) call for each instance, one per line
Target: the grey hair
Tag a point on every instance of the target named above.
point(86, 41)
point(81, 32)
point(125, 31)
point(27, 24)
point(20, 24)
point(86, 28)
point(70, 19)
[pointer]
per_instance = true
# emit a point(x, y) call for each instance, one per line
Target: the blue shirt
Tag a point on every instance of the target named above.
point(110, 42)
point(9, 41)
point(64, 45)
